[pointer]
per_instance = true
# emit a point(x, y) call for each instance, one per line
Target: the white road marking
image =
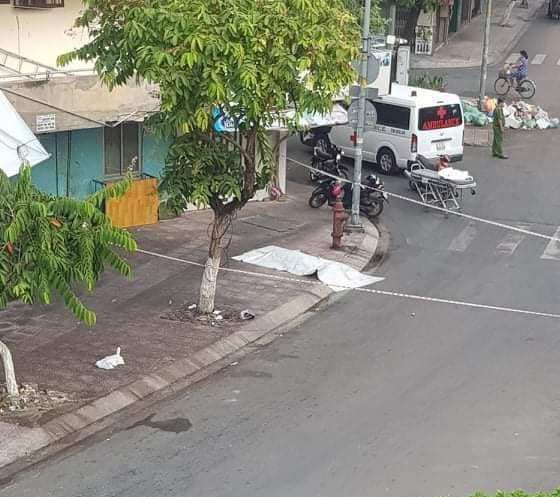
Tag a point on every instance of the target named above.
point(552, 250)
point(558, 63)
point(538, 59)
point(462, 241)
point(508, 245)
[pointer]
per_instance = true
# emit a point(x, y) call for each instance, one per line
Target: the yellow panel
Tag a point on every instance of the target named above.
point(138, 207)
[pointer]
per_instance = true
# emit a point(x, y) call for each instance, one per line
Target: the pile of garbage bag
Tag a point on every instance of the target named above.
point(518, 115)
point(473, 116)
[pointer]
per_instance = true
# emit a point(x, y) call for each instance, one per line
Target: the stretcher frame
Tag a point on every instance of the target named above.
point(436, 190)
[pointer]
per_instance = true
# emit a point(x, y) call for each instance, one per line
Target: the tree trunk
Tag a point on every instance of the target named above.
point(210, 276)
point(223, 215)
point(410, 26)
point(11, 383)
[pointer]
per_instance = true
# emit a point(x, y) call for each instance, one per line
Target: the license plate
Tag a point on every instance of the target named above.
point(440, 146)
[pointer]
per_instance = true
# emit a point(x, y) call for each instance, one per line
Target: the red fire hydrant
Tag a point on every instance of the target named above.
point(339, 217)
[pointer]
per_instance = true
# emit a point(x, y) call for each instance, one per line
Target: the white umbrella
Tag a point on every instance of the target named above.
point(18, 144)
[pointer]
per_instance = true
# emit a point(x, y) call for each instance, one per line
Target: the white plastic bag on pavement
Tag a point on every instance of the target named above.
point(111, 361)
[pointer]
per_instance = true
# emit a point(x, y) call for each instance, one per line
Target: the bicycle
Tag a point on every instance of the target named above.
point(506, 81)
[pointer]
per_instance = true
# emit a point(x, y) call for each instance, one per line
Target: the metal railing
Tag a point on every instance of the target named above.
point(18, 68)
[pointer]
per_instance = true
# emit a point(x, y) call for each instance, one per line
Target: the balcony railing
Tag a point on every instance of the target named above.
point(38, 4)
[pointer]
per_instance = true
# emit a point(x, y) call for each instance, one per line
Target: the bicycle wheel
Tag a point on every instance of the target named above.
point(526, 89)
point(501, 86)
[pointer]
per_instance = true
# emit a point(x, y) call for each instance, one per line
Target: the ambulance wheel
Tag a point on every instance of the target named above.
point(386, 162)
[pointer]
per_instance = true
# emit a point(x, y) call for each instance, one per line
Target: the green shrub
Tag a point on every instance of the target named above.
point(429, 82)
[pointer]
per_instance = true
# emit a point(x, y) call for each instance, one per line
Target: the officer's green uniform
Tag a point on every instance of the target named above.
point(499, 124)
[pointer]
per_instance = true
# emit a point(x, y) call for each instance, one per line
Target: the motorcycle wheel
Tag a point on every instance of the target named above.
point(374, 209)
point(317, 199)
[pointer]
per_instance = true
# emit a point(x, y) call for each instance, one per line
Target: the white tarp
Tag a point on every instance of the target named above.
point(336, 275)
point(17, 141)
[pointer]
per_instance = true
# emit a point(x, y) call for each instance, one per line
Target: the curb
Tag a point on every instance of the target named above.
point(491, 60)
point(33, 445)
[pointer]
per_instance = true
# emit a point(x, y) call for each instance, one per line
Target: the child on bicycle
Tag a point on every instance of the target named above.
point(521, 67)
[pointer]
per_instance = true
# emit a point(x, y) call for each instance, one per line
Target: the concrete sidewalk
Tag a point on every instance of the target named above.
point(50, 348)
point(465, 48)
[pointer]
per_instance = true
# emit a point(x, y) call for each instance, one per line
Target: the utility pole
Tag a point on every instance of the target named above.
point(355, 223)
point(392, 19)
point(485, 44)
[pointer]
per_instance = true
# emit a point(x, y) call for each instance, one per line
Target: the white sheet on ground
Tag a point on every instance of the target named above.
point(17, 141)
point(336, 275)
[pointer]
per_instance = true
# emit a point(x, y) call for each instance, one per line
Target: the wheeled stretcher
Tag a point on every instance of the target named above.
point(438, 188)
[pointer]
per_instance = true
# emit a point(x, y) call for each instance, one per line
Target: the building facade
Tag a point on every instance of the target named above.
point(434, 28)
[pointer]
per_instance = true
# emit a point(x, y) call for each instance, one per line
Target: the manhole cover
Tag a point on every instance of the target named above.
point(271, 223)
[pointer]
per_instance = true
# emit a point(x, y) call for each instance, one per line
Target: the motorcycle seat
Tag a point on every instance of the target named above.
point(323, 156)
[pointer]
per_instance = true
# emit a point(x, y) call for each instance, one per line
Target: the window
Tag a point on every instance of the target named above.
point(38, 4)
point(122, 149)
point(394, 116)
point(440, 117)
point(7, 2)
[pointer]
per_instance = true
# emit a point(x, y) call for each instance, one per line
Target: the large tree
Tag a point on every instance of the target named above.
point(414, 8)
point(54, 245)
point(244, 59)
point(356, 7)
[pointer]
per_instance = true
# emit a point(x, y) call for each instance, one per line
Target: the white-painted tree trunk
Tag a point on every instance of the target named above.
point(208, 285)
point(11, 383)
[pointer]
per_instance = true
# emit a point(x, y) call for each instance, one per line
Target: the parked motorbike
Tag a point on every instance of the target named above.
point(371, 199)
point(317, 137)
point(330, 162)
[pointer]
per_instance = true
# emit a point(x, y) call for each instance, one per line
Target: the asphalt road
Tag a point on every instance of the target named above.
point(377, 395)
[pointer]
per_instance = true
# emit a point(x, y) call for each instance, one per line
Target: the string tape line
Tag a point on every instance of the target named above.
point(386, 293)
point(435, 207)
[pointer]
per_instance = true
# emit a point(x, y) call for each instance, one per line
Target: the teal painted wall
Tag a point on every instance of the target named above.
point(154, 151)
point(44, 174)
point(86, 161)
point(77, 159)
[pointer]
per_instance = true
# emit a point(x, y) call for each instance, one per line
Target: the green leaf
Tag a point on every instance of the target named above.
point(56, 244)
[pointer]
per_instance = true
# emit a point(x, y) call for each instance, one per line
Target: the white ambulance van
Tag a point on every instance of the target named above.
point(410, 121)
